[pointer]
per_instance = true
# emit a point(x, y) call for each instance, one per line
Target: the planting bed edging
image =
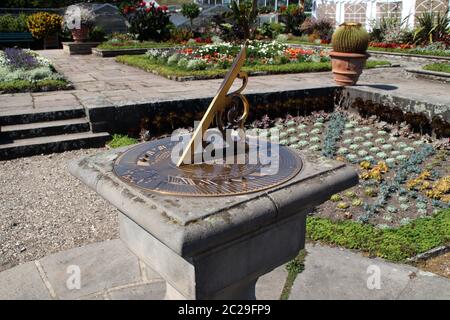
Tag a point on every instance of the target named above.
point(120, 118)
point(402, 57)
point(109, 53)
point(428, 74)
point(431, 117)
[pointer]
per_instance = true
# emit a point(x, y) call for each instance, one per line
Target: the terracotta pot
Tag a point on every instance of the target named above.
point(347, 67)
point(80, 35)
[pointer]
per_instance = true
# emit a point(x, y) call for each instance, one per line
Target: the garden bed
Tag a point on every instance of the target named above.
point(114, 48)
point(403, 175)
point(213, 61)
point(26, 71)
point(413, 52)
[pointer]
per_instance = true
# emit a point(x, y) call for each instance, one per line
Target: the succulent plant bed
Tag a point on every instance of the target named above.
point(403, 175)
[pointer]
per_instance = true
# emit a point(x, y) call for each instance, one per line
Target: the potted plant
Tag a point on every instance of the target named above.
point(79, 21)
point(349, 55)
point(45, 26)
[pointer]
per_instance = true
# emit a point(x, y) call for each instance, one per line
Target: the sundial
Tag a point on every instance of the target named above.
point(152, 167)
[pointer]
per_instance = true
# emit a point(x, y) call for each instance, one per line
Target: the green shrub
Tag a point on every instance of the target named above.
point(173, 59)
point(119, 140)
point(190, 11)
point(11, 23)
point(182, 63)
point(196, 64)
point(97, 34)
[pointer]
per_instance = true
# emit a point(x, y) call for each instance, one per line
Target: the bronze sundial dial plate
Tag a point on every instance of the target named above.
point(149, 167)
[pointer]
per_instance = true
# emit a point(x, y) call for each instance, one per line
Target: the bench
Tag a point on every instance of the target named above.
point(15, 37)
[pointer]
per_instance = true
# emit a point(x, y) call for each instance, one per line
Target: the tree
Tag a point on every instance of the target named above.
point(191, 11)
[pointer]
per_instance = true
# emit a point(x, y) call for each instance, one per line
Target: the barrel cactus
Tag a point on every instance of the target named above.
point(350, 38)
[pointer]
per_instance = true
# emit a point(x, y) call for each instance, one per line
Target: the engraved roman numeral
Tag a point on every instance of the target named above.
point(180, 180)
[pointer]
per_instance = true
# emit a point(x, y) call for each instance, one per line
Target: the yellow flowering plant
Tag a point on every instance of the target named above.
point(44, 24)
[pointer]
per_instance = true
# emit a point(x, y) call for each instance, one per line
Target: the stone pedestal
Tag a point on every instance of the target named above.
point(73, 48)
point(215, 247)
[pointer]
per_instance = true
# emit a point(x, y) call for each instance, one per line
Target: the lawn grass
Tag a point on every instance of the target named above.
point(16, 86)
point(395, 244)
point(142, 62)
point(120, 140)
point(439, 67)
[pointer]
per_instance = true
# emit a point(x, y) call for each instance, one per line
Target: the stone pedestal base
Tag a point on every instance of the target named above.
point(226, 272)
point(73, 48)
point(215, 247)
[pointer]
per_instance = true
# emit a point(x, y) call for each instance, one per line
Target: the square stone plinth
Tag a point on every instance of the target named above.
point(215, 247)
point(73, 48)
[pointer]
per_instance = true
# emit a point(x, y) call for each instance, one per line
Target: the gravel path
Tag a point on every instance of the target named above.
point(44, 209)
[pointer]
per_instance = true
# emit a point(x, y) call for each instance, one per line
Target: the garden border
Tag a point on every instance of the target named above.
point(428, 74)
point(385, 54)
point(111, 118)
point(109, 53)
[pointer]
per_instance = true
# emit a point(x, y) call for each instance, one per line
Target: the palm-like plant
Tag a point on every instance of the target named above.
point(244, 14)
point(431, 27)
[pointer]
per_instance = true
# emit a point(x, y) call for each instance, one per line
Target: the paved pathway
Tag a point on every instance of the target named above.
point(108, 270)
point(102, 81)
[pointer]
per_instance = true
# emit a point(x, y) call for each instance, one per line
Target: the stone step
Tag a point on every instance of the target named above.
point(47, 128)
point(52, 144)
point(43, 115)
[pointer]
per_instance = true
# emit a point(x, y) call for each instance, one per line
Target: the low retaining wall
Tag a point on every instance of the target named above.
point(431, 75)
point(406, 57)
point(163, 117)
point(108, 53)
point(423, 116)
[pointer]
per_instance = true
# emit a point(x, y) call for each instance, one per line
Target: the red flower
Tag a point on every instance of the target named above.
point(148, 10)
point(132, 9)
point(159, 8)
point(165, 8)
point(142, 4)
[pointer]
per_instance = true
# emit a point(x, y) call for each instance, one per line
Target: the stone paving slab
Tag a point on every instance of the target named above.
point(110, 271)
point(102, 266)
point(23, 283)
point(338, 274)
